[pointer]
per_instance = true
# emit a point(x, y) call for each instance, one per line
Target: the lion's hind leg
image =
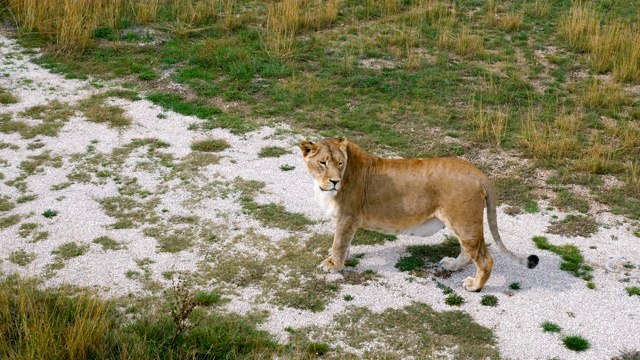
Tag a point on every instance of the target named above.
point(451, 264)
point(479, 254)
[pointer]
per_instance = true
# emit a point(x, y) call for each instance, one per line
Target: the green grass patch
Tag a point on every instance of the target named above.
point(454, 300)
point(573, 261)
point(273, 151)
point(210, 145)
point(9, 220)
point(70, 250)
point(6, 97)
point(633, 290)
point(21, 257)
point(514, 286)
point(575, 343)
point(368, 237)
point(550, 327)
point(489, 300)
point(108, 243)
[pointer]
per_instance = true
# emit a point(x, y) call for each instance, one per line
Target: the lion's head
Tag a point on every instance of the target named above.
point(326, 161)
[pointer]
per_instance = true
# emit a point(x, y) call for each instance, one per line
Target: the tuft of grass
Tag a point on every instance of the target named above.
point(70, 250)
point(454, 300)
point(9, 220)
point(273, 151)
point(579, 26)
point(633, 290)
point(6, 204)
point(550, 327)
point(489, 300)
point(96, 110)
point(318, 349)
point(108, 243)
point(7, 98)
point(21, 257)
point(50, 213)
point(514, 286)
point(210, 145)
point(575, 343)
point(348, 297)
point(287, 167)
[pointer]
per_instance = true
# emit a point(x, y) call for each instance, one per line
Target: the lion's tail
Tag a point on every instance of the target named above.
point(532, 260)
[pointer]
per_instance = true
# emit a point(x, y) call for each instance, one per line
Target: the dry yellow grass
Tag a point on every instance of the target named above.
point(464, 43)
point(491, 127)
point(283, 21)
point(557, 140)
point(604, 95)
point(579, 26)
point(627, 66)
point(606, 45)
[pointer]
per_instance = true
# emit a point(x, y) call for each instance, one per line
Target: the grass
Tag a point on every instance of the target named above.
point(550, 327)
point(272, 151)
point(633, 290)
point(421, 256)
point(489, 300)
point(7, 98)
point(574, 225)
point(575, 343)
point(573, 260)
point(72, 323)
point(210, 145)
point(21, 257)
point(108, 243)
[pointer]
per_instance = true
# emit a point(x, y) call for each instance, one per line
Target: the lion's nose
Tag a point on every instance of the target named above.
point(335, 182)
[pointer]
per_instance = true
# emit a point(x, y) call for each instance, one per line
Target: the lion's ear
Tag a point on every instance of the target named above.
point(307, 147)
point(343, 143)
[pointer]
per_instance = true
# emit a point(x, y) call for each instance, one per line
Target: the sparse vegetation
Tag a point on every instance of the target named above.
point(210, 145)
point(272, 151)
point(550, 327)
point(21, 257)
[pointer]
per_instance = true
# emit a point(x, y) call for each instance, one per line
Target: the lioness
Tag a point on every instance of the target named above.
point(405, 196)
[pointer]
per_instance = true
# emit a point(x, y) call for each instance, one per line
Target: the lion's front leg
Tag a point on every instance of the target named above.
point(345, 229)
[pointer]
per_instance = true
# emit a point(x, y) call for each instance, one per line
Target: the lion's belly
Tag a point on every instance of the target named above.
point(424, 229)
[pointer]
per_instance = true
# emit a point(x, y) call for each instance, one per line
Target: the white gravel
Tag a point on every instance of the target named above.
point(607, 317)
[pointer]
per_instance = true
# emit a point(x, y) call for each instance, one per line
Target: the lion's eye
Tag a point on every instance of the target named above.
point(339, 164)
point(323, 163)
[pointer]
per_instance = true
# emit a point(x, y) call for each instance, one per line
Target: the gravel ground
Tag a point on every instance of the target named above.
point(607, 317)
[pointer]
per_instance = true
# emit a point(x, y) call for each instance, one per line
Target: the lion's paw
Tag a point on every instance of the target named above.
point(329, 266)
point(448, 263)
point(467, 284)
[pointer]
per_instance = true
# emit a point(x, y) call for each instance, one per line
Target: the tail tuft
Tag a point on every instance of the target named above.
point(532, 261)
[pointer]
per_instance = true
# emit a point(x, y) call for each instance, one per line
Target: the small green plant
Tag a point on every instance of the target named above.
point(489, 300)
point(348, 297)
point(575, 343)
point(287, 167)
point(633, 290)
point(550, 327)
point(514, 286)
point(454, 300)
point(272, 151)
point(49, 213)
point(206, 298)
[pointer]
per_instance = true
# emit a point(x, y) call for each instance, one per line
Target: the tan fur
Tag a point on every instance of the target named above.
point(403, 196)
